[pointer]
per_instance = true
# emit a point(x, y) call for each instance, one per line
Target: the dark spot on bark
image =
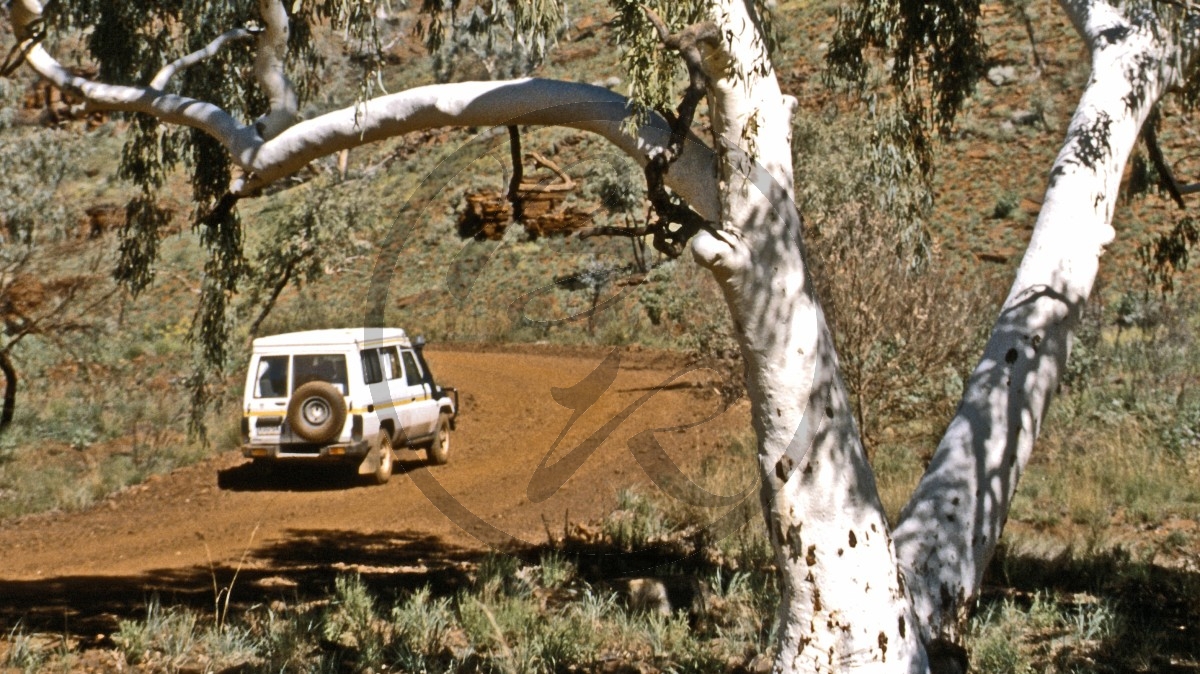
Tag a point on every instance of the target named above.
point(954, 501)
point(1011, 356)
point(946, 657)
point(816, 600)
point(778, 412)
point(841, 551)
point(1036, 342)
point(947, 598)
point(794, 543)
point(853, 539)
point(873, 527)
point(809, 578)
point(1056, 173)
point(903, 628)
point(1092, 144)
point(1115, 34)
point(951, 518)
point(883, 645)
point(811, 557)
point(808, 470)
point(784, 468)
point(829, 411)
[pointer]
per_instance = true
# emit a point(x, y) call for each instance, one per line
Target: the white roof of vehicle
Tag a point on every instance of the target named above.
point(332, 337)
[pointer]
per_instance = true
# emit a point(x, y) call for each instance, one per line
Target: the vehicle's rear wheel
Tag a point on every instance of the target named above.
point(383, 468)
point(439, 450)
point(317, 412)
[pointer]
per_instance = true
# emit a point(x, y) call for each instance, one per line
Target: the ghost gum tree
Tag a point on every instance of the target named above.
point(856, 594)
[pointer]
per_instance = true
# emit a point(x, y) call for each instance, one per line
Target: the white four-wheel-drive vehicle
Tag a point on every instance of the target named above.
point(344, 395)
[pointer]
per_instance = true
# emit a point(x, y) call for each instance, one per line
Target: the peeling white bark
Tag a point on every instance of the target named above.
point(949, 530)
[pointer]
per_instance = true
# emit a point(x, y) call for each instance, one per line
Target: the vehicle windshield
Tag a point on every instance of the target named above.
point(327, 367)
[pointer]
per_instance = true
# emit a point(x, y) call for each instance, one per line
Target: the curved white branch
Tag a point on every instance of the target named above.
point(537, 102)
point(167, 107)
point(268, 67)
point(164, 76)
point(533, 102)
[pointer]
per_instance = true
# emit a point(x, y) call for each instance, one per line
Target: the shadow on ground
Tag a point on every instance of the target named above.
point(301, 567)
point(303, 477)
point(1156, 609)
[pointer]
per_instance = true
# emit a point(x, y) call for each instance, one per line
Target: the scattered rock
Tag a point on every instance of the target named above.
point(1025, 117)
point(1002, 75)
point(665, 595)
point(101, 218)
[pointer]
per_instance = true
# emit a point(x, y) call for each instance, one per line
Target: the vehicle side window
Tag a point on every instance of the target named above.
point(327, 367)
point(372, 373)
point(411, 369)
point(391, 363)
point(272, 377)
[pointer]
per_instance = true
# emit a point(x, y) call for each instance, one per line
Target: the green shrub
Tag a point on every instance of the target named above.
point(420, 630)
point(352, 621)
point(25, 653)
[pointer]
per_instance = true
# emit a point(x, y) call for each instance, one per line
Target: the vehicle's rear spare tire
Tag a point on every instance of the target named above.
point(317, 412)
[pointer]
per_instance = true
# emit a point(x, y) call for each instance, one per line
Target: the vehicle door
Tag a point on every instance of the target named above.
point(423, 408)
point(266, 404)
point(380, 397)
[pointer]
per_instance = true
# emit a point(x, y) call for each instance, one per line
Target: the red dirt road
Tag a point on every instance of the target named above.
point(180, 533)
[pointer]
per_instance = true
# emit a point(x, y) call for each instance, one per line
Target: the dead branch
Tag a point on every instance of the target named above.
point(608, 230)
point(514, 185)
point(1150, 136)
point(539, 159)
point(670, 211)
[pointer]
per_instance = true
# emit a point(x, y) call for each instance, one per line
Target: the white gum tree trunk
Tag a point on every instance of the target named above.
point(949, 530)
point(855, 597)
point(843, 606)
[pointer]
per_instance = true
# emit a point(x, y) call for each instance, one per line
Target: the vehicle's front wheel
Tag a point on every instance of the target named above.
point(383, 467)
point(439, 451)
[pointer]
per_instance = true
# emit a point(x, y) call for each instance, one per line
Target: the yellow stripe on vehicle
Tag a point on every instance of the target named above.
point(384, 406)
point(357, 410)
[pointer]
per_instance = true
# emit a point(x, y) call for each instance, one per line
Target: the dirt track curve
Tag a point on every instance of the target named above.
point(178, 534)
